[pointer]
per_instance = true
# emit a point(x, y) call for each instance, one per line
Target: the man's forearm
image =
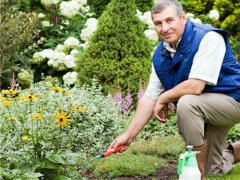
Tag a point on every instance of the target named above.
point(142, 116)
point(190, 86)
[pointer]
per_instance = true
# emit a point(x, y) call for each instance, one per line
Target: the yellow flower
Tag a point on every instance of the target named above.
point(6, 103)
point(79, 108)
point(26, 138)
point(5, 92)
point(13, 118)
point(62, 119)
point(37, 116)
point(57, 89)
point(13, 92)
point(29, 98)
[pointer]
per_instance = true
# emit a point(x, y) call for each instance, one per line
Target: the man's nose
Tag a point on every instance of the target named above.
point(165, 27)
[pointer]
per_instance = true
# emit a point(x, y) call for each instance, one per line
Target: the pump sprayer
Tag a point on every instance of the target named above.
point(187, 165)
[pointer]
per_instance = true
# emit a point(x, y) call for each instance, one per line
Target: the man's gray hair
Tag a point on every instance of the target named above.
point(160, 5)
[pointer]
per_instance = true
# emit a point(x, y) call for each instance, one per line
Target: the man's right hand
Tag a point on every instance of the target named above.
point(123, 139)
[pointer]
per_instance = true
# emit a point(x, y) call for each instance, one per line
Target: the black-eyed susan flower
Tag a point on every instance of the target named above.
point(29, 98)
point(57, 89)
point(26, 138)
point(62, 118)
point(79, 108)
point(37, 116)
point(6, 103)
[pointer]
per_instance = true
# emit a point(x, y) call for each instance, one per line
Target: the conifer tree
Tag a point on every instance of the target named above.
point(118, 55)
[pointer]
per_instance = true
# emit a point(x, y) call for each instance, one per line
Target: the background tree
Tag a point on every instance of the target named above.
point(99, 6)
point(17, 29)
point(118, 55)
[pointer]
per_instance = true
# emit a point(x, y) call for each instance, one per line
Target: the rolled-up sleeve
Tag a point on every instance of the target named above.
point(154, 88)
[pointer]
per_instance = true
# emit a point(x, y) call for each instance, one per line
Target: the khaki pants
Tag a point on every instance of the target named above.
point(209, 116)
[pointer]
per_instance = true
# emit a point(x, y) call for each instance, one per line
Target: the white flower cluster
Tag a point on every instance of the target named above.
point(90, 27)
point(214, 14)
point(41, 15)
point(70, 78)
point(48, 3)
point(146, 18)
point(150, 33)
point(57, 58)
point(72, 8)
point(46, 24)
point(191, 16)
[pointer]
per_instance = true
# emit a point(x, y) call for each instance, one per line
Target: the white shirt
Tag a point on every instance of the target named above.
point(206, 65)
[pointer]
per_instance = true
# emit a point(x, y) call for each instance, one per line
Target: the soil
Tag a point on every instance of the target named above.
point(166, 173)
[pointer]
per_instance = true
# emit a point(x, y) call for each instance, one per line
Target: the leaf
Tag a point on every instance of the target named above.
point(73, 158)
point(56, 158)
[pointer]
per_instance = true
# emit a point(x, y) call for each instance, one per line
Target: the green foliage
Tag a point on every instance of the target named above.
point(32, 141)
point(236, 49)
point(155, 128)
point(99, 6)
point(119, 53)
point(196, 7)
point(25, 78)
point(234, 133)
point(17, 30)
point(144, 5)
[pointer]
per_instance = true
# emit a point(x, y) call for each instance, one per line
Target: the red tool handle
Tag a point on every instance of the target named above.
point(107, 153)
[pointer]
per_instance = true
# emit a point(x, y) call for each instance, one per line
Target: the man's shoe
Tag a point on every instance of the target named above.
point(235, 147)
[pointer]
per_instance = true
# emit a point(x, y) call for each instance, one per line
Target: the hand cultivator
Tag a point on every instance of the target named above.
point(104, 154)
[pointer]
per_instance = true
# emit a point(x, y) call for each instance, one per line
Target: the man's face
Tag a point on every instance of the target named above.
point(169, 25)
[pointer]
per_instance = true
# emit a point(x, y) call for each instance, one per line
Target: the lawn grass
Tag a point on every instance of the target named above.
point(234, 175)
point(143, 158)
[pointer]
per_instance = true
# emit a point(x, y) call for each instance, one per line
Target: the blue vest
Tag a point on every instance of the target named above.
point(172, 71)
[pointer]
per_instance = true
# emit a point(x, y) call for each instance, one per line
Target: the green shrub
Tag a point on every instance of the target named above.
point(99, 6)
point(17, 31)
point(118, 55)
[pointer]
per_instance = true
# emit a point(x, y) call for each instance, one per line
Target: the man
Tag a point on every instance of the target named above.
point(195, 67)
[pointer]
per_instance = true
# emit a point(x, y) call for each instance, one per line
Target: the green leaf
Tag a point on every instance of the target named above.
point(56, 158)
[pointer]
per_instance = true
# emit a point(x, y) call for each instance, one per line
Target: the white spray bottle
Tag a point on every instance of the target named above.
point(187, 165)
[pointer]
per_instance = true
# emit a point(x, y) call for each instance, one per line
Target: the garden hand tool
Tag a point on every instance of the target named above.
point(104, 154)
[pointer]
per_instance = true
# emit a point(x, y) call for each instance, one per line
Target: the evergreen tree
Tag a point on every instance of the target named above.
point(99, 6)
point(119, 53)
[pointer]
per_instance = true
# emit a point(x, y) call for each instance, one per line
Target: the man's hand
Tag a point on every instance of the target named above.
point(161, 111)
point(123, 139)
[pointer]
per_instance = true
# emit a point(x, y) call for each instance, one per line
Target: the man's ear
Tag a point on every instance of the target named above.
point(184, 16)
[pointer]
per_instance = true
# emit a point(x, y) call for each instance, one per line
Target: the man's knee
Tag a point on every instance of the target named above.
point(186, 103)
